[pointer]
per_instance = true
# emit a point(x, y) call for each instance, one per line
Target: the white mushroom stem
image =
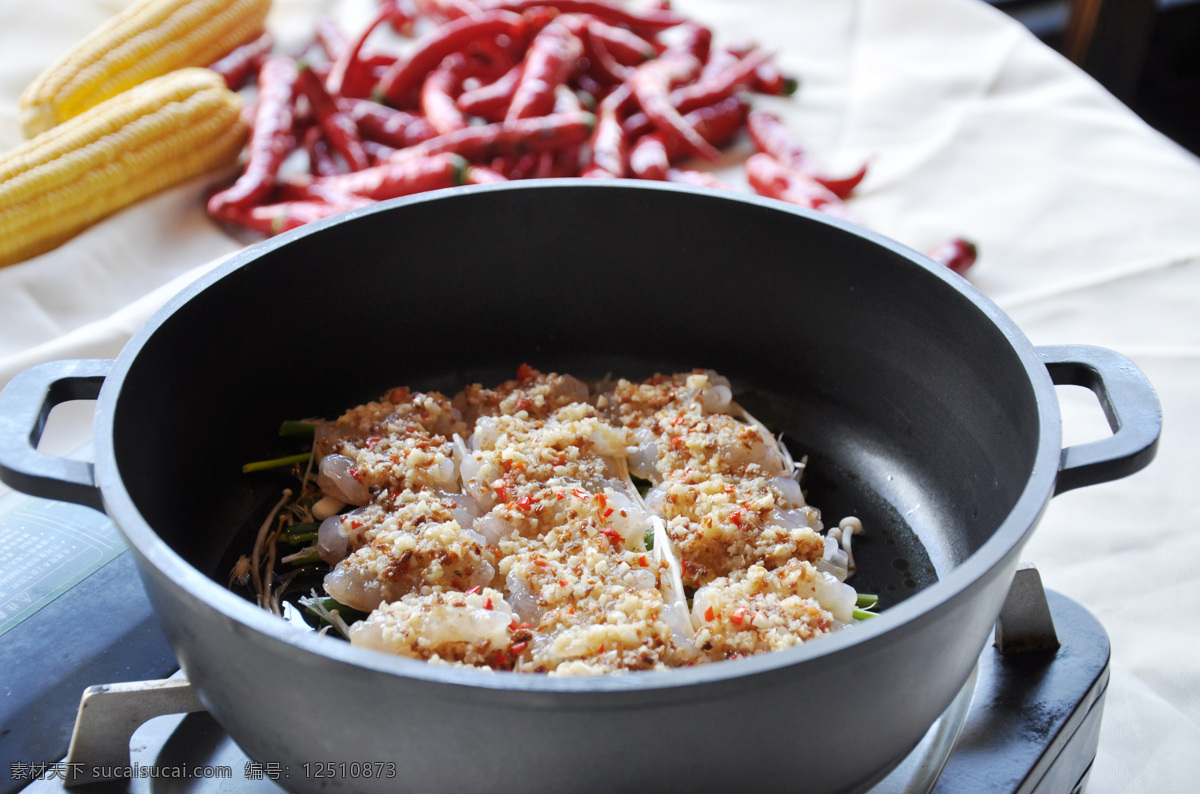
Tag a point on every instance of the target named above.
point(308, 470)
point(849, 527)
point(328, 506)
point(260, 543)
point(799, 469)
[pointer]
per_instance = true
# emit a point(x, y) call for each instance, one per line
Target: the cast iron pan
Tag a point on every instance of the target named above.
point(922, 407)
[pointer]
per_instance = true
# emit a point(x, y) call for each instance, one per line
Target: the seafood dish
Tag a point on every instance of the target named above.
point(545, 526)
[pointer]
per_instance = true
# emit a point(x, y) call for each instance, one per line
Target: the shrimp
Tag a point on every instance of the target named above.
point(594, 607)
point(529, 474)
point(403, 441)
point(533, 394)
point(720, 523)
point(757, 610)
point(408, 559)
point(474, 628)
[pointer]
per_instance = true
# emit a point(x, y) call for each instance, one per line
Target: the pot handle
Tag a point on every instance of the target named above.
point(25, 404)
point(1130, 403)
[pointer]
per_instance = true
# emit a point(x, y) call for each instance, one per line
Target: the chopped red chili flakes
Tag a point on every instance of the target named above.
point(613, 536)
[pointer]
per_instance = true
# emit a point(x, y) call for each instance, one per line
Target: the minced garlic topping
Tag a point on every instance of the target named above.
point(502, 528)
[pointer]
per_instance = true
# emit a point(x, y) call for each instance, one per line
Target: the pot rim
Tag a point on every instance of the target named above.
point(1008, 537)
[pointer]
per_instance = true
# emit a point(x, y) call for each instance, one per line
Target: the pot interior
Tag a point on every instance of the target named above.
point(916, 411)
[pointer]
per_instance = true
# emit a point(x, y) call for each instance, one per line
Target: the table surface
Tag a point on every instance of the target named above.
point(1088, 223)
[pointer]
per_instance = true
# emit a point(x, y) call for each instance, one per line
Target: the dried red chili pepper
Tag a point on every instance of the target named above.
point(399, 177)
point(566, 161)
point(351, 75)
point(283, 216)
point(270, 137)
point(649, 21)
point(491, 100)
point(241, 63)
point(697, 178)
point(567, 101)
point(378, 152)
point(722, 59)
point(625, 46)
point(715, 86)
point(403, 17)
point(437, 101)
point(958, 254)
point(552, 57)
point(717, 123)
point(651, 83)
point(446, 10)
point(400, 83)
point(609, 146)
point(597, 86)
point(514, 167)
point(482, 175)
point(694, 40)
point(648, 157)
point(636, 125)
point(710, 88)
point(484, 142)
point(771, 135)
point(771, 178)
point(340, 129)
point(395, 128)
point(330, 37)
point(320, 159)
point(601, 64)
point(768, 79)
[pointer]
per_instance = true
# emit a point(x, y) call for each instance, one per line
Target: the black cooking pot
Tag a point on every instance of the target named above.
point(923, 409)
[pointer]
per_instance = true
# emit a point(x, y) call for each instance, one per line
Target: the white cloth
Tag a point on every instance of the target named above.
point(1086, 221)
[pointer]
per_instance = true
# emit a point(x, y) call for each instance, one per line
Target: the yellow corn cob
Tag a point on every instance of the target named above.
point(147, 39)
point(144, 140)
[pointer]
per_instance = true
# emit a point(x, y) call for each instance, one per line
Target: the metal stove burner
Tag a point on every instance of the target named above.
point(1027, 721)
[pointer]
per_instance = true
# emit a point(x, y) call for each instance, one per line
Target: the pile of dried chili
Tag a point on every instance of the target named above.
point(494, 90)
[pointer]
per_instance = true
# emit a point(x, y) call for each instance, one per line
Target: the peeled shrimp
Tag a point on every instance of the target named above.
point(336, 479)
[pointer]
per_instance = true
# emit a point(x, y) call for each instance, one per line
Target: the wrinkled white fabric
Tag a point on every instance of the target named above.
point(1085, 217)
